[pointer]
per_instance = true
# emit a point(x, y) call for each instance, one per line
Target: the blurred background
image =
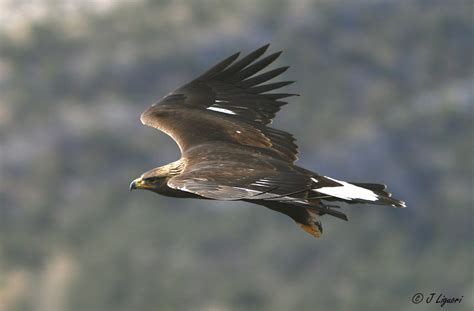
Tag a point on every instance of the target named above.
point(386, 97)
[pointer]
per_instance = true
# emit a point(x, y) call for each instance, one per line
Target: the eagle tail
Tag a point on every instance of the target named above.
point(354, 192)
point(384, 197)
point(349, 192)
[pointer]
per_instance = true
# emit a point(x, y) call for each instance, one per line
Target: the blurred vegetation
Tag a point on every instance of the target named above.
point(386, 97)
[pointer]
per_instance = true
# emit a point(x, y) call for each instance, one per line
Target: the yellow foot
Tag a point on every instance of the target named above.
point(313, 230)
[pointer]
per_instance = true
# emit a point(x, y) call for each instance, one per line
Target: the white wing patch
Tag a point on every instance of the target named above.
point(348, 191)
point(402, 203)
point(221, 110)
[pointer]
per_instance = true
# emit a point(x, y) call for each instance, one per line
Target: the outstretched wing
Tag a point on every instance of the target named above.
point(228, 103)
point(222, 172)
point(217, 187)
point(244, 183)
point(237, 94)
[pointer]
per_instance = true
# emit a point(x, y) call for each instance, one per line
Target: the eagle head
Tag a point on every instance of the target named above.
point(150, 183)
point(157, 178)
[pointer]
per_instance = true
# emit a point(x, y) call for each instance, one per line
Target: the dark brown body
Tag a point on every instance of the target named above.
point(220, 123)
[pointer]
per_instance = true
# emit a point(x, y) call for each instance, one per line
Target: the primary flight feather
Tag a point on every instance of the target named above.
point(228, 152)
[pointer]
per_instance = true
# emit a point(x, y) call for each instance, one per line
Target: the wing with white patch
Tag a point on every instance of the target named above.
point(237, 87)
point(250, 179)
point(213, 184)
point(212, 190)
point(227, 103)
point(221, 110)
point(225, 172)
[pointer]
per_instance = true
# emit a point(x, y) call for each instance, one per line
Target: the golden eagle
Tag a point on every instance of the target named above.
point(228, 151)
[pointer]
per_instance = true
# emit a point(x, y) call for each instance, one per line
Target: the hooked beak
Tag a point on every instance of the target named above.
point(135, 184)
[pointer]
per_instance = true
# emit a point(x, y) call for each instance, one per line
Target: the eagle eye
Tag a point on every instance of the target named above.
point(151, 180)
